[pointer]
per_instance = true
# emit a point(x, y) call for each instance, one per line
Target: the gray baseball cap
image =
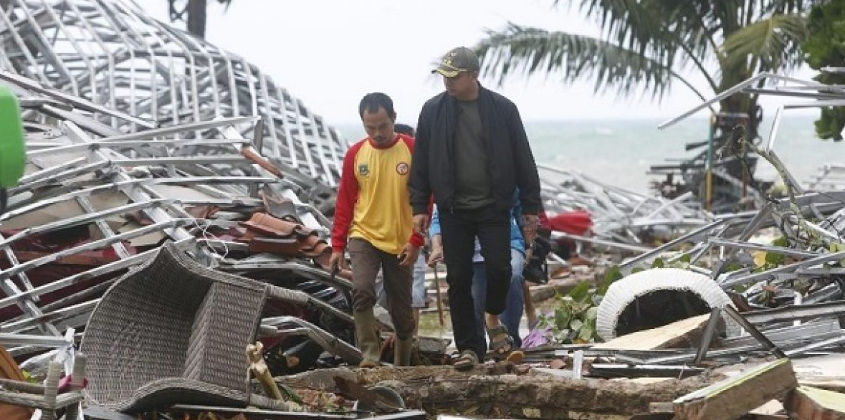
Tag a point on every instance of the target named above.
point(457, 60)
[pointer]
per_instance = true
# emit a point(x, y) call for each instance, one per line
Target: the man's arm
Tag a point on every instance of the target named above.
point(347, 194)
point(525, 169)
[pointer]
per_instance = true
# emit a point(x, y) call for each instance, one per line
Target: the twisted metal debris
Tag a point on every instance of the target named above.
point(131, 72)
point(139, 134)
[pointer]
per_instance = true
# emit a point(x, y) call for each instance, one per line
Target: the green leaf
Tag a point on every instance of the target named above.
point(775, 258)
point(658, 263)
point(586, 334)
point(592, 314)
point(562, 318)
point(611, 275)
point(686, 258)
point(576, 324)
point(580, 292)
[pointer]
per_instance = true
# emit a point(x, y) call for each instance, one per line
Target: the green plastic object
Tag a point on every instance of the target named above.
point(12, 149)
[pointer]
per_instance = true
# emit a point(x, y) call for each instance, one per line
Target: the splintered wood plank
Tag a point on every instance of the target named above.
point(683, 333)
point(808, 403)
point(735, 396)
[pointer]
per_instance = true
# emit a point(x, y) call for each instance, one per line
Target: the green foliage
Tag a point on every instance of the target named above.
point(646, 45)
point(573, 321)
point(825, 46)
point(574, 317)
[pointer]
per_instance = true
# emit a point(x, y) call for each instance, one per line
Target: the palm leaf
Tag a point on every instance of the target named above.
point(771, 42)
point(527, 51)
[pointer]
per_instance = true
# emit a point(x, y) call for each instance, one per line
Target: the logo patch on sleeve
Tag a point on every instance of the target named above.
point(363, 169)
point(402, 168)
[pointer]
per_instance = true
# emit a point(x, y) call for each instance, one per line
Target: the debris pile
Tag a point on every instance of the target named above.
point(173, 216)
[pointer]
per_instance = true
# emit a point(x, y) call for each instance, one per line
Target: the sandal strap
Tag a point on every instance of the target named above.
point(499, 338)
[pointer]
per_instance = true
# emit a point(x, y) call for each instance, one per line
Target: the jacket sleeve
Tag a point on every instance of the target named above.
point(347, 195)
point(527, 179)
point(416, 239)
point(418, 184)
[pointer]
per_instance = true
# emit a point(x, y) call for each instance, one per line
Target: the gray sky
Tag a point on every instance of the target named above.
point(330, 53)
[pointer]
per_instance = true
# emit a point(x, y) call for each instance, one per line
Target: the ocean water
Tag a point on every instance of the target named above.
point(620, 152)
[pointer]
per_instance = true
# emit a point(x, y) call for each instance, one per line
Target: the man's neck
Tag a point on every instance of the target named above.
point(470, 96)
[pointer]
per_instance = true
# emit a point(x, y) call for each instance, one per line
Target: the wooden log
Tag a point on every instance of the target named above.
point(498, 392)
point(733, 397)
point(808, 403)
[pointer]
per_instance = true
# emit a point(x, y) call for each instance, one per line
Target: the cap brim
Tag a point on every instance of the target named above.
point(446, 72)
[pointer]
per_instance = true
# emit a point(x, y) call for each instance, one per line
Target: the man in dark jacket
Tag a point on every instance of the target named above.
point(471, 154)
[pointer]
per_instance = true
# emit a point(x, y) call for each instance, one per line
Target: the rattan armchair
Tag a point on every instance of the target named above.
point(174, 331)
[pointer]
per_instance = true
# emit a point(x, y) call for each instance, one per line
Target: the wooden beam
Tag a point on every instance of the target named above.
point(733, 397)
point(683, 333)
point(808, 403)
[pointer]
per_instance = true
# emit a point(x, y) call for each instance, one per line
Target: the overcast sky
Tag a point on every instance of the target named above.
point(330, 53)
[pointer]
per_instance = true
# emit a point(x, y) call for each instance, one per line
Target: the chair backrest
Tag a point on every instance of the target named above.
point(171, 318)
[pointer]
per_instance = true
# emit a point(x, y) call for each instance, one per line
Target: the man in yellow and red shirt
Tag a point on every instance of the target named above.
point(374, 213)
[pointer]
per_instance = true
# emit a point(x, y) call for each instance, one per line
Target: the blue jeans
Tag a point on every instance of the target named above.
point(513, 304)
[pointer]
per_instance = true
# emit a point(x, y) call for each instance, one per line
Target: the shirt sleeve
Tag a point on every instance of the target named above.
point(347, 195)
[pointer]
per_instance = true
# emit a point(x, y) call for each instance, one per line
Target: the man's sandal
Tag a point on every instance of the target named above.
point(501, 345)
point(501, 342)
point(466, 360)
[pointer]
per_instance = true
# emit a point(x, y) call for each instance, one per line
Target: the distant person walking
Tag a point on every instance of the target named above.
point(472, 153)
point(374, 214)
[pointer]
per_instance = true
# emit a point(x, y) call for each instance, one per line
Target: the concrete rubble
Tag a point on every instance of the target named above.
point(141, 139)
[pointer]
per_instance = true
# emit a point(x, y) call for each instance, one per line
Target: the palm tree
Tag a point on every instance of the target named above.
point(646, 45)
point(195, 11)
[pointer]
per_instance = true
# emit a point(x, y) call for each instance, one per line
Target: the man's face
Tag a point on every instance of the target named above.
point(461, 86)
point(379, 126)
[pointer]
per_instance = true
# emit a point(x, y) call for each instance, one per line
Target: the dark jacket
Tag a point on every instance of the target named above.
point(510, 162)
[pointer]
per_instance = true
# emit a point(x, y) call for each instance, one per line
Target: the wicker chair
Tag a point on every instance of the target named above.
point(174, 331)
point(45, 397)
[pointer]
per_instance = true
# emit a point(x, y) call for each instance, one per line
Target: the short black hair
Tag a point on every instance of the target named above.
point(373, 101)
point(403, 129)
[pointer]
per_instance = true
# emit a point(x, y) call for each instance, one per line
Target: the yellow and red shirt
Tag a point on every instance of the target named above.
point(373, 201)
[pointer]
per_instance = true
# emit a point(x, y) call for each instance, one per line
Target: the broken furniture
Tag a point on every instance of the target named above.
point(47, 397)
point(174, 331)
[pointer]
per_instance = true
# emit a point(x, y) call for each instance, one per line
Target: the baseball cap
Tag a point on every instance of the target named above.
point(457, 60)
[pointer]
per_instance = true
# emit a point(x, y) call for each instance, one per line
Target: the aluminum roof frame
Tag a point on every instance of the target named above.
point(133, 72)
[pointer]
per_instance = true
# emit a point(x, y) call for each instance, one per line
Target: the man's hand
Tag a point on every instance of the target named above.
point(337, 260)
point(420, 224)
point(530, 222)
point(436, 255)
point(408, 255)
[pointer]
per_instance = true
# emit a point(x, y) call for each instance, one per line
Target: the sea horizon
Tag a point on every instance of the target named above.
point(620, 151)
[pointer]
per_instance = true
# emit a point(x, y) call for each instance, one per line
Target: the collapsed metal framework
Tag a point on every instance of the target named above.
point(136, 134)
point(131, 72)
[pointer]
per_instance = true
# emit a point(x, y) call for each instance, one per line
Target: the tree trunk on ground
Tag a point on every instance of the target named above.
point(495, 391)
point(196, 17)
